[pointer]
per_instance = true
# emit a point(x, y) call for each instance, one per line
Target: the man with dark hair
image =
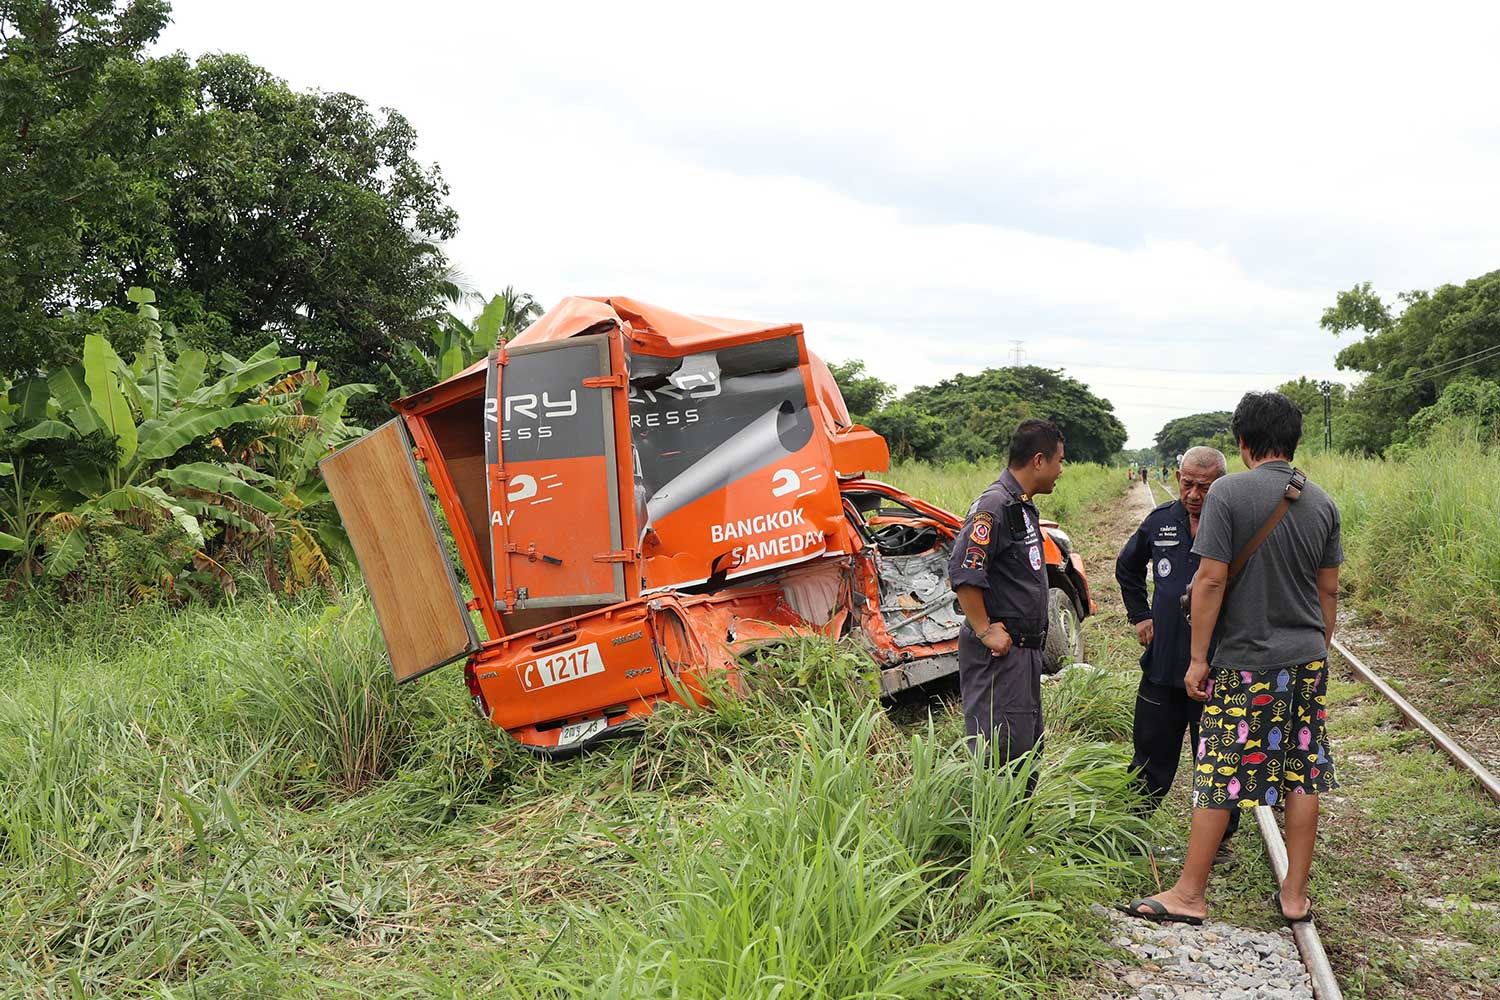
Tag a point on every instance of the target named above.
point(1000, 577)
point(1263, 741)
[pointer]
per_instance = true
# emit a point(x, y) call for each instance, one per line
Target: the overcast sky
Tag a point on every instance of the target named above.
point(1128, 194)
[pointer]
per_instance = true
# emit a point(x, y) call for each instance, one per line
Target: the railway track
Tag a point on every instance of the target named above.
point(1309, 943)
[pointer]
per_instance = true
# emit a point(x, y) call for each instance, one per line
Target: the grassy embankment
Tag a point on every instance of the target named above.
point(236, 801)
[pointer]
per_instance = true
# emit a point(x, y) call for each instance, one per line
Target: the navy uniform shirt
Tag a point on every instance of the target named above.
point(1164, 541)
point(1001, 553)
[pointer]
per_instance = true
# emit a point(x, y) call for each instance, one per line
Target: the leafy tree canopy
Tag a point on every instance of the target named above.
point(1177, 436)
point(908, 432)
point(1450, 333)
point(254, 207)
point(863, 394)
point(1469, 400)
point(1137, 456)
point(979, 412)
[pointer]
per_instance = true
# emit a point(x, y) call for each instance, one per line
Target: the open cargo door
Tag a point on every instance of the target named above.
point(395, 536)
point(554, 476)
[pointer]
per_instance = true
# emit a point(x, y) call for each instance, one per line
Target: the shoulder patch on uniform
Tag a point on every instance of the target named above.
point(973, 558)
point(979, 529)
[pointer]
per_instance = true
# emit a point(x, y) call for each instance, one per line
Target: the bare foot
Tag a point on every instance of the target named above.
point(1178, 903)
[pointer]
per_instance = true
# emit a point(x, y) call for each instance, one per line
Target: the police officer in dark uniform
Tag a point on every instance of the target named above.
point(999, 574)
point(1164, 542)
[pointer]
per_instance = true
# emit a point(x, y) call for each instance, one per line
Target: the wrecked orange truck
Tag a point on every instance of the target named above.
point(638, 498)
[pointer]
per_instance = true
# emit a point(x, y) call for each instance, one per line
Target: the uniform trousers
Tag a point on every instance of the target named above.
point(1163, 716)
point(1002, 697)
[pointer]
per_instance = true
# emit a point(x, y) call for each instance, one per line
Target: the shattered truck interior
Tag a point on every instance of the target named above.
point(638, 498)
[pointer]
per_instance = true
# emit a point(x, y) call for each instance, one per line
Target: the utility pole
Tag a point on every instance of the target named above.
point(1017, 353)
point(1326, 388)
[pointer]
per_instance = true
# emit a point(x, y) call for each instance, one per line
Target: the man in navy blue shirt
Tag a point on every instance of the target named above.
point(1164, 542)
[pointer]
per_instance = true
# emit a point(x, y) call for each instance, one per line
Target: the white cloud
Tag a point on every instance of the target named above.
point(1182, 188)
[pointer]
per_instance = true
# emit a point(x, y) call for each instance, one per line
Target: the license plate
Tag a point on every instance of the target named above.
point(580, 731)
point(561, 667)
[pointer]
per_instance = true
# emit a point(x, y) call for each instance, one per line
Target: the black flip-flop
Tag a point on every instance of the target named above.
point(1306, 918)
point(1157, 913)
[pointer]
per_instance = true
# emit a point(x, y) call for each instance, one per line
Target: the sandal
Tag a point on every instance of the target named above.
point(1157, 913)
point(1306, 918)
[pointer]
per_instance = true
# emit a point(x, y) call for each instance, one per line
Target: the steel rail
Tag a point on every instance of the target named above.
point(1486, 778)
point(1309, 944)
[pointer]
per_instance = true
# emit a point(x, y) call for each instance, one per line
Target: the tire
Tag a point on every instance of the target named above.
point(1064, 643)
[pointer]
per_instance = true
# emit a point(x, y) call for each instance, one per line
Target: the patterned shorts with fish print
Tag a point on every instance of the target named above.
point(1263, 737)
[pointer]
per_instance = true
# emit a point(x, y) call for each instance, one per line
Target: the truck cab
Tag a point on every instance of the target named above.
point(637, 498)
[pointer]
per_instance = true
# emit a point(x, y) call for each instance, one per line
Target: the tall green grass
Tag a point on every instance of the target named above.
point(1422, 537)
point(956, 485)
point(241, 803)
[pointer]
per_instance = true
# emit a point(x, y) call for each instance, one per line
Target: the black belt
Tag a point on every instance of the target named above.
point(1018, 638)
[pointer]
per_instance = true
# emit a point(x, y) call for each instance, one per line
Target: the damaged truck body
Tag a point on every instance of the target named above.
point(637, 499)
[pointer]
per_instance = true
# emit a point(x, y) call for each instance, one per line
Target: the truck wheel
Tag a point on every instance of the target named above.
point(1064, 632)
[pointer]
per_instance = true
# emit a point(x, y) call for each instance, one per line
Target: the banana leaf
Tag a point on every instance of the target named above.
point(101, 368)
point(72, 395)
point(164, 438)
point(213, 479)
point(240, 379)
point(192, 365)
point(30, 396)
point(152, 498)
point(47, 430)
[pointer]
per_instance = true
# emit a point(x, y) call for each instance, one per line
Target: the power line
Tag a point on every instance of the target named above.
point(1181, 371)
point(1446, 368)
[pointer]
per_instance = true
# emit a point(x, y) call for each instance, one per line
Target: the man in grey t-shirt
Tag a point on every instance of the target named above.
point(1263, 739)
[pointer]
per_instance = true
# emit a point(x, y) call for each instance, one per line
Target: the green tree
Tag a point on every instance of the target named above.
point(1468, 399)
point(1450, 333)
point(1357, 308)
point(256, 208)
point(863, 394)
point(908, 432)
point(1138, 456)
point(979, 412)
point(1180, 434)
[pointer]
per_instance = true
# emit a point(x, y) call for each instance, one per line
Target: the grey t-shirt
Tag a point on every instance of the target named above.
point(1272, 618)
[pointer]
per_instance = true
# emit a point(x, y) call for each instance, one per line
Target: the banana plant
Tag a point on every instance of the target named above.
point(151, 409)
point(9, 542)
point(455, 345)
point(306, 424)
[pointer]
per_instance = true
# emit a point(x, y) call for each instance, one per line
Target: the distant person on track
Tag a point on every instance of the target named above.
point(999, 574)
point(1263, 741)
point(1163, 711)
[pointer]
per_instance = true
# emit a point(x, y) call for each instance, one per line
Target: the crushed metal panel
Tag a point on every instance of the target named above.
point(916, 600)
point(734, 474)
point(376, 488)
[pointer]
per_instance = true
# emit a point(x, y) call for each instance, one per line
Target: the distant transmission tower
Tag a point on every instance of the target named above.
point(1017, 353)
